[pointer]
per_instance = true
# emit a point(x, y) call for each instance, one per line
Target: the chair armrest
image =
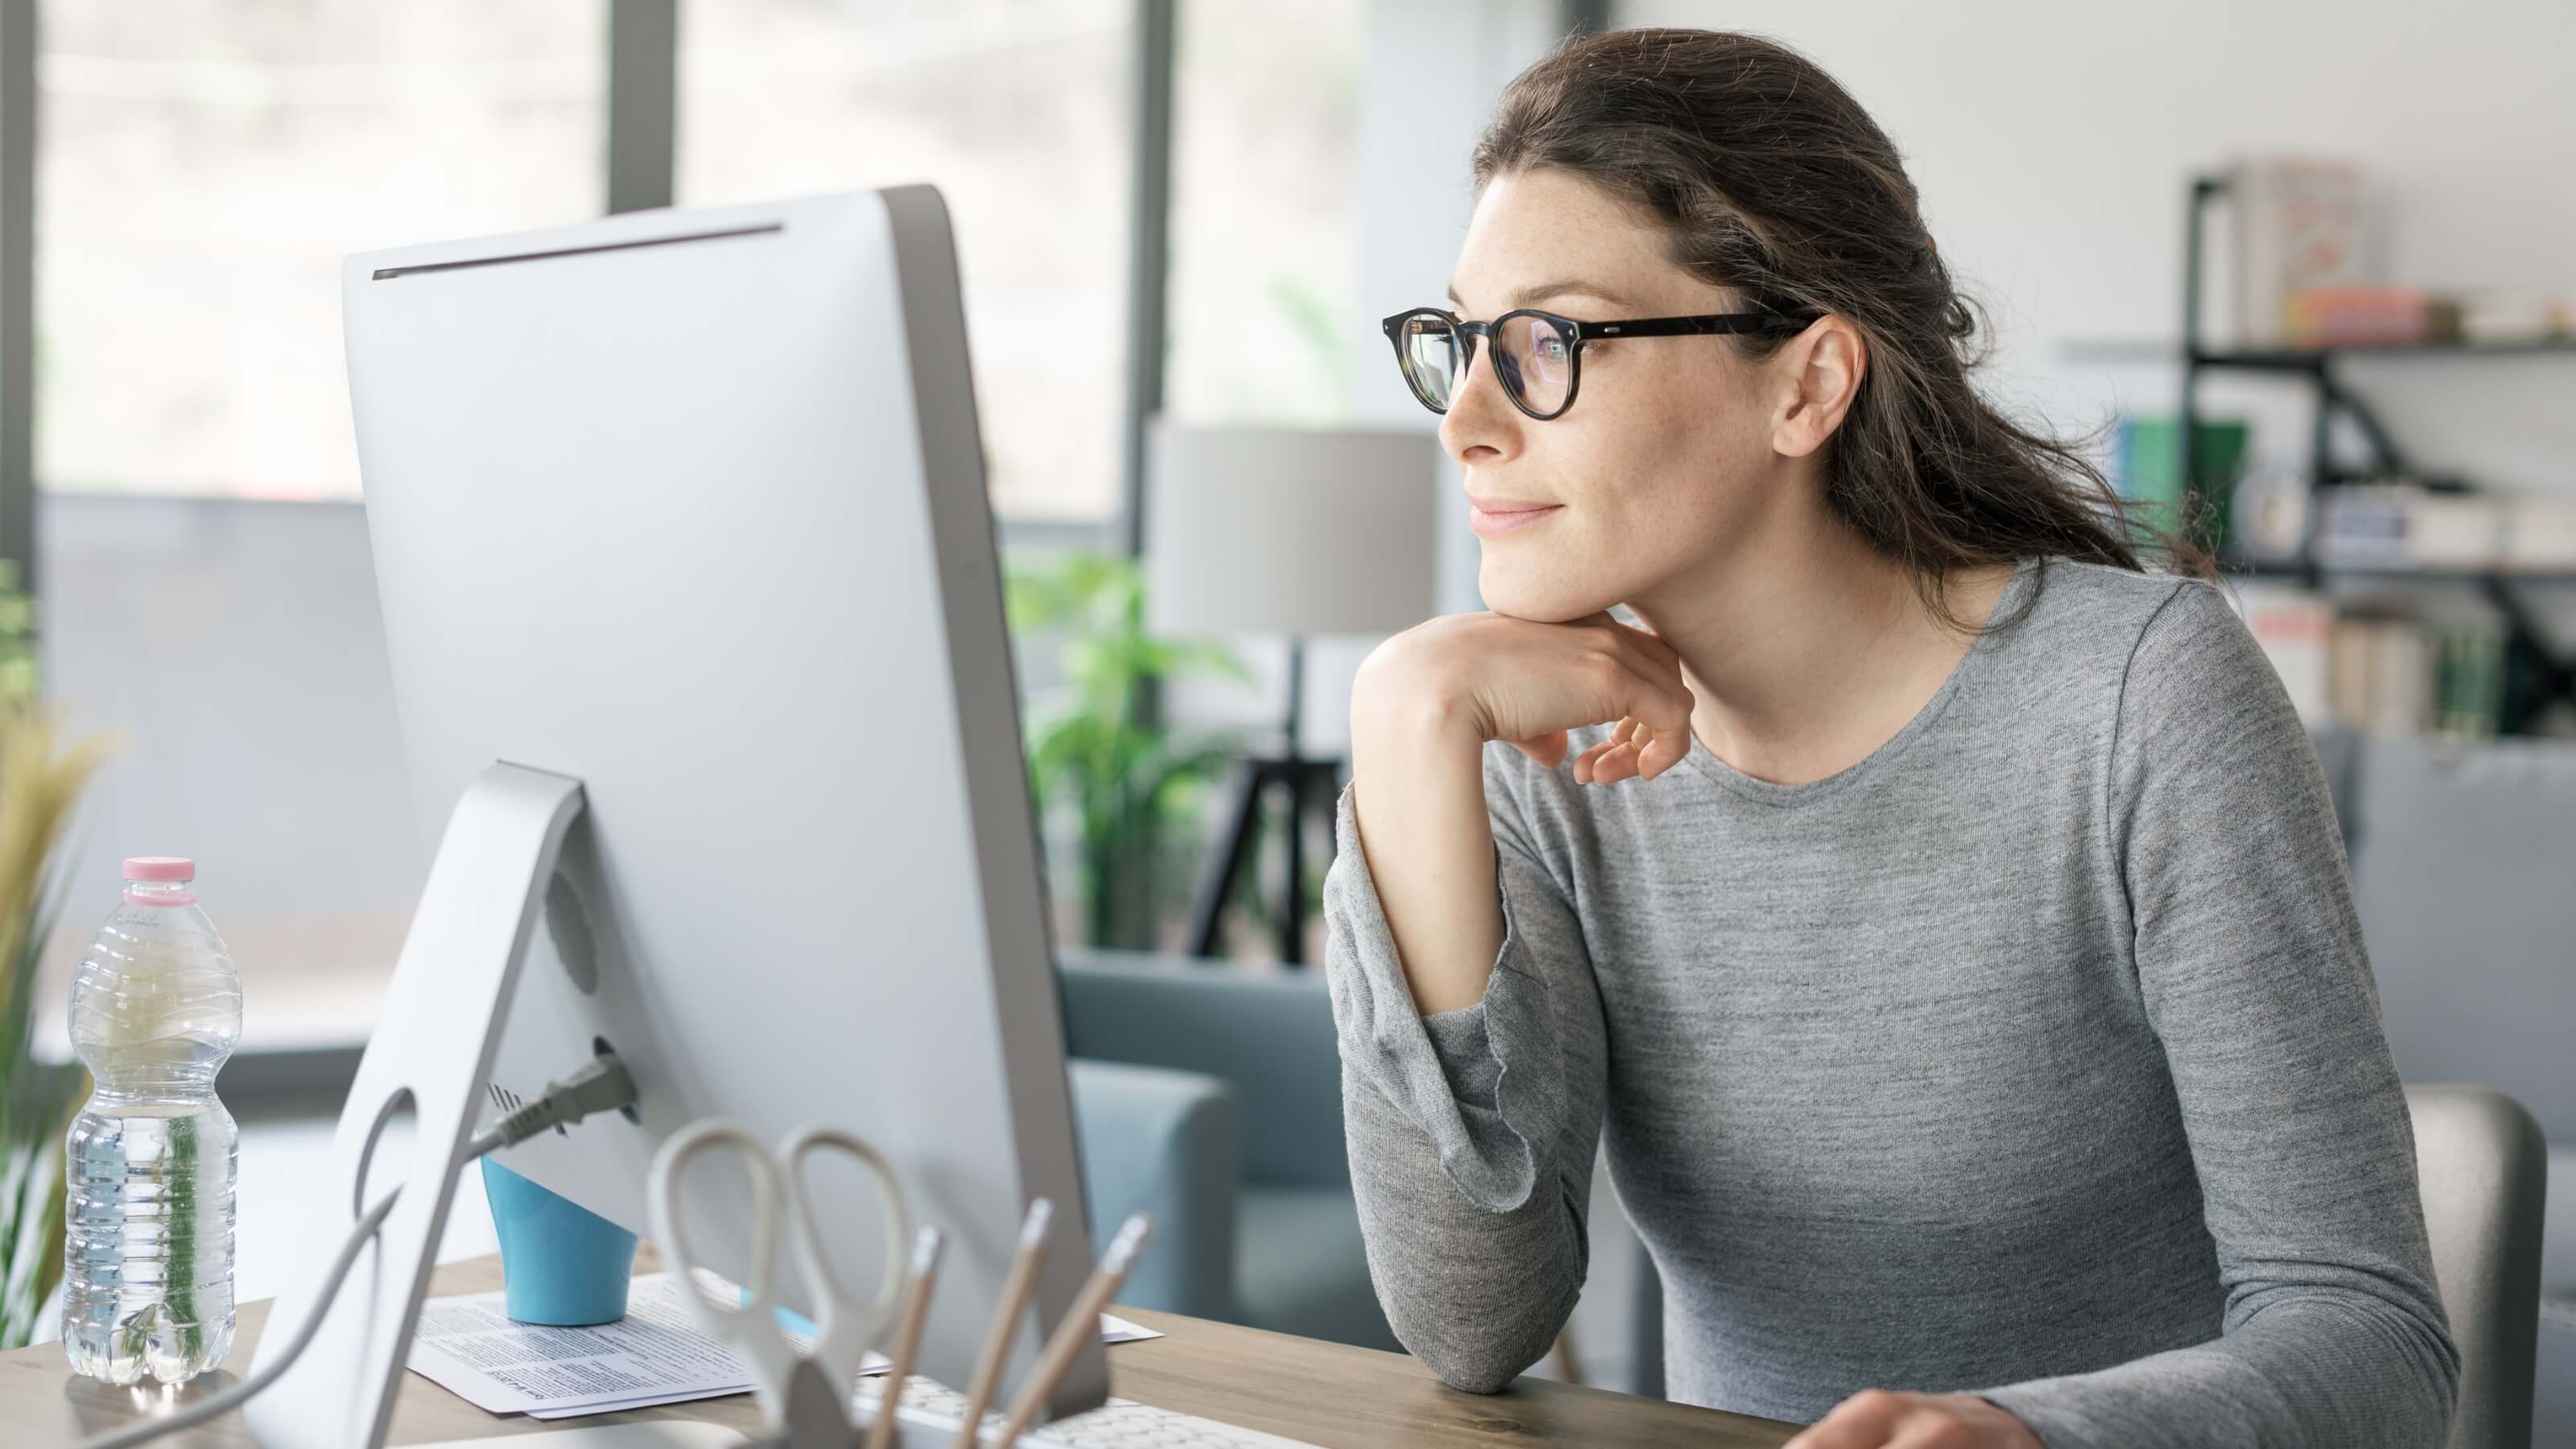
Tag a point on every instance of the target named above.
point(1268, 1034)
point(1169, 1143)
point(2558, 1233)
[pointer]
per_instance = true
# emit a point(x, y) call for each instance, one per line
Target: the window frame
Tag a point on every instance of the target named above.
point(643, 41)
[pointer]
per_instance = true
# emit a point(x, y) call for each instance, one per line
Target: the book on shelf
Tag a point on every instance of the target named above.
point(2301, 223)
point(2379, 675)
point(2366, 316)
point(2384, 672)
point(2295, 628)
point(2148, 473)
point(2540, 534)
point(2468, 682)
point(2393, 315)
point(2404, 525)
point(2401, 524)
point(2305, 267)
point(2502, 314)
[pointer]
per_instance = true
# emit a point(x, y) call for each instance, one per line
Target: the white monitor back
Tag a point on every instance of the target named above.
point(691, 506)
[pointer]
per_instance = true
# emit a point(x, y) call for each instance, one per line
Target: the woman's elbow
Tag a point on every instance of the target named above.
point(1472, 1356)
point(1468, 1368)
point(2445, 1373)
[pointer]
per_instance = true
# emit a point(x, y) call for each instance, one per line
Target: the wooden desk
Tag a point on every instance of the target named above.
point(1325, 1393)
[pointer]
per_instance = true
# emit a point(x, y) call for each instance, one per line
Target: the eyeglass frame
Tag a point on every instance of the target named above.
point(1579, 334)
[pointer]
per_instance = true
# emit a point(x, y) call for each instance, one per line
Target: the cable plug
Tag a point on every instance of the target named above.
point(602, 1084)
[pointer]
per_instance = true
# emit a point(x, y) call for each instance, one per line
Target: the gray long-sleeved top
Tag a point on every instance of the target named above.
point(2034, 1056)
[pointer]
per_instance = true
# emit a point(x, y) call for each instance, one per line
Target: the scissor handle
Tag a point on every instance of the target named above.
point(845, 1329)
point(752, 1328)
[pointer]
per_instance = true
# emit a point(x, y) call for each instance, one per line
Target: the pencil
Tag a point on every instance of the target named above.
point(907, 1334)
point(1006, 1319)
point(1081, 1322)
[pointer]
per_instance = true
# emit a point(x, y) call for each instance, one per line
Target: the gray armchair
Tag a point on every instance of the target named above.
point(2483, 1165)
point(1170, 1144)
point(1213, 1095)
point(2461, 867)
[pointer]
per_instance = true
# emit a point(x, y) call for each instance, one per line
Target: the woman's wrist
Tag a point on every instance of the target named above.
point(1403, 702)
point(1418, 797)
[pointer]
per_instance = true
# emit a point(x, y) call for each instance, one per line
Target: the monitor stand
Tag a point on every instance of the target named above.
point(652, 1434)
point(430, 1055)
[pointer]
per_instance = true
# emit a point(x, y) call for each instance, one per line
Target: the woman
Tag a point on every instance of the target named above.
point(1940, 917)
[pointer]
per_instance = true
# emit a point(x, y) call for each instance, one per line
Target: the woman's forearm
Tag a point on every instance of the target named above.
point(1471, 1198)
point(1418, 793)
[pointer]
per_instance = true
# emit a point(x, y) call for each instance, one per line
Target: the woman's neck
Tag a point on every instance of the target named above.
point(1808, 650)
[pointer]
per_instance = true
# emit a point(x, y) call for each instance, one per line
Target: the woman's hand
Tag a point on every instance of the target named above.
point(1423, 708)
point(1493, 677)
point(1885, 1419)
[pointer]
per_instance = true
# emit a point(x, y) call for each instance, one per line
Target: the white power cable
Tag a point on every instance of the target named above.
point(601, 1084)
point(240, 1393)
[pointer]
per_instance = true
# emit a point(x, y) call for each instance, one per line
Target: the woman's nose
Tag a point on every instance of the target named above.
point(1479, 416)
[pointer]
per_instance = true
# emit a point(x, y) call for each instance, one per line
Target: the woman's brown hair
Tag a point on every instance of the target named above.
point(1772, 181)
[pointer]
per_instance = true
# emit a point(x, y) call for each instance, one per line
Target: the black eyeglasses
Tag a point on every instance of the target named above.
point(1538, 355)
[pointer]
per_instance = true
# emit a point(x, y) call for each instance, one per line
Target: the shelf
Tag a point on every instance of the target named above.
point(2400, 573)
point(2301, 359)
point(2309, 359)
point(2549, 674)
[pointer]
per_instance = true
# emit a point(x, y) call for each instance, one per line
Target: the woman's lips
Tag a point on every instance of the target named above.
point(1501, 518)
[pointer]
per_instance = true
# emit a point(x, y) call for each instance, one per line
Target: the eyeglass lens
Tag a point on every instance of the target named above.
point(1535, 362)
point(1531, 357)
point(1430, 354)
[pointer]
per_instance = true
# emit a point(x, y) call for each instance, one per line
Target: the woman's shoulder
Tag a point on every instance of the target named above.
point(2162, 643)
point(2091, 619)
point(2083, 599)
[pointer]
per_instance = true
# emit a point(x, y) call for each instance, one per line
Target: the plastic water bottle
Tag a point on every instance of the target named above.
point(148, 1251)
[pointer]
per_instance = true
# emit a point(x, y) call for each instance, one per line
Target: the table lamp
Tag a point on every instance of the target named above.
point(1262, 530)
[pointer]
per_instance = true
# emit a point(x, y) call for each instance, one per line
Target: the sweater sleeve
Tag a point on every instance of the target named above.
point(2251, 968)
point(1471, 1132)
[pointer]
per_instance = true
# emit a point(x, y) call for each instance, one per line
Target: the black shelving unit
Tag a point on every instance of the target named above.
point(2549, 674)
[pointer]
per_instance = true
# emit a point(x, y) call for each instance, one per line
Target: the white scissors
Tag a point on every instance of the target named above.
point(807, 1399)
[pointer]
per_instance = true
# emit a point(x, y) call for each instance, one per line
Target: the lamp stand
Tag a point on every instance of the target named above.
point(1311, 784)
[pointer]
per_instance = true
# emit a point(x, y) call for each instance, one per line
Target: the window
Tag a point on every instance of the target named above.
point(202, 169)
point(1264, 290)
point(1020, 112)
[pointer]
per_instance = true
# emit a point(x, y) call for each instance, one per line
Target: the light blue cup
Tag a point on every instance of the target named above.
point(561, 1263)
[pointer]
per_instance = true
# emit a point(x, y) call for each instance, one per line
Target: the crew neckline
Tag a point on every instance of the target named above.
point(1701, 758)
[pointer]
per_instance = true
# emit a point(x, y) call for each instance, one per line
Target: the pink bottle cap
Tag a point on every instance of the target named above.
point(160, 868)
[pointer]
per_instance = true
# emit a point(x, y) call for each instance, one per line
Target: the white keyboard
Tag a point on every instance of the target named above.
point(1118, 1424)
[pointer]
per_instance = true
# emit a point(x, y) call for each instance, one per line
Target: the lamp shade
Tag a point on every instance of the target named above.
point(1289, 531)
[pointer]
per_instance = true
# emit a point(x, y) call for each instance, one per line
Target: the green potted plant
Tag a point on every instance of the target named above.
point(39, 783)
point(1100, 752)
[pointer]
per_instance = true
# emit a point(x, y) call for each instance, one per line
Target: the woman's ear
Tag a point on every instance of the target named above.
point(1822, 369)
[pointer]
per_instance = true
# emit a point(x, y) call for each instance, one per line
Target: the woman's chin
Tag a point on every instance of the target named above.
point(1539, 601)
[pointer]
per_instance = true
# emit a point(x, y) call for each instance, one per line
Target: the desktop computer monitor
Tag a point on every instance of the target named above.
point(689, 507)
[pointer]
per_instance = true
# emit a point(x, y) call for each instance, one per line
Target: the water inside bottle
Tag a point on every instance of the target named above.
point(148, 1245)
point(153, 1156)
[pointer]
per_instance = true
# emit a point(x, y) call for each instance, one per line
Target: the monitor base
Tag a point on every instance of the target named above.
point(664, 1434)
point(429, 1057)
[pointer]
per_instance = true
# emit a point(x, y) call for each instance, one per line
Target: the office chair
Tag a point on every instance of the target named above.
point(2459, 868)
point(1261, 1185)
point(2484, 1168)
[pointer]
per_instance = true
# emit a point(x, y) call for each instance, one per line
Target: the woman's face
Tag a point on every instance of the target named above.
point(1664, 464)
